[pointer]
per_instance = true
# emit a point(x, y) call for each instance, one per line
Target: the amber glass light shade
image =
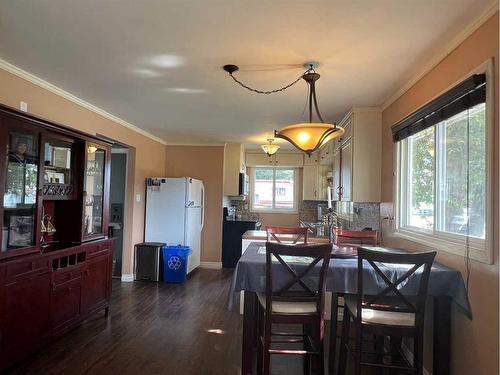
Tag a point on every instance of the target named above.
point(270, 149)
point(309, 137)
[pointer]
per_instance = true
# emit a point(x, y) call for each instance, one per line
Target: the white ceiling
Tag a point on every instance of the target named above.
point(135, 59)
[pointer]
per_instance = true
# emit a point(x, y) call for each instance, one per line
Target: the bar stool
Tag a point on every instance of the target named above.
point(397, 310)
point(300, 300)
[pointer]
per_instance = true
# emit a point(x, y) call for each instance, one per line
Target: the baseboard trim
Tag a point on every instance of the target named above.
point(127, 277)
point(211, 265)
point(409, 354)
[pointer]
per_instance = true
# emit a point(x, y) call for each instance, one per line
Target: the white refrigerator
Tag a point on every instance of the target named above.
point(174, 213)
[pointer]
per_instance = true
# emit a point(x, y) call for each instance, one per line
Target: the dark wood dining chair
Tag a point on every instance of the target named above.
point(395, 310)
point(344, 237)
point(296, 300)
point(293, 235)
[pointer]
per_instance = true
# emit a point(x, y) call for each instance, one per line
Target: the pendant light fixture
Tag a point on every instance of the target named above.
point(270, 148)
point(307, 136)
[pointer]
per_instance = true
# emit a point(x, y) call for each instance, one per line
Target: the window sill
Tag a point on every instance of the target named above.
point(479, 250)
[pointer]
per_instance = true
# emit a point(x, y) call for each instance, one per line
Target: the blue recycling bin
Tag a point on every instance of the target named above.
point(175, 259)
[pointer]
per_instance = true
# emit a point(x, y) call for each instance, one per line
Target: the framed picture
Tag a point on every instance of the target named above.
point(22, 148)
point(20, 231)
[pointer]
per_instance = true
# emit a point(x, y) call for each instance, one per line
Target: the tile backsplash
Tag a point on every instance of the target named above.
point(352, 215)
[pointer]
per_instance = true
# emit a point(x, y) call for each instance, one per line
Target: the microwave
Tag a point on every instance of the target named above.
point(243, 188)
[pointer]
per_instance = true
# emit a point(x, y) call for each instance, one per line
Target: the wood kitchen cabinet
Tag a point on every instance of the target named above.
point(310, 185)
point(317, 168)
point(357, 157)
point(280, 159)
point(55, 257)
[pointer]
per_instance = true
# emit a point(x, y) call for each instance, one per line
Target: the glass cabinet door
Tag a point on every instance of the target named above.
point(20, 192)
point(94, 190)
point(58, 169)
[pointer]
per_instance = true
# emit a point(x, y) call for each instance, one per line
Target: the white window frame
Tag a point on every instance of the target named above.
point(274, 210)
point(479, 249)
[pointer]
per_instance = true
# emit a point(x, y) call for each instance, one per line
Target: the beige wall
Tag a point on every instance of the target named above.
point(204, 163)
point(475, 343)
point(147, 157)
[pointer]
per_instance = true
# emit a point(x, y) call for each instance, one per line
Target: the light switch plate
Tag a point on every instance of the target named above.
point(138, 198)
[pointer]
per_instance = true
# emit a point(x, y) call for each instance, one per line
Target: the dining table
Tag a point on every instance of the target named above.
point(446, 287)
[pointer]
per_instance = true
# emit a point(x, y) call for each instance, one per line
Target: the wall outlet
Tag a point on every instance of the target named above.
point(23, 106)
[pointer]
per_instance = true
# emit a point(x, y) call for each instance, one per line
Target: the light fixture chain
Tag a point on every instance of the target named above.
point(270, 91)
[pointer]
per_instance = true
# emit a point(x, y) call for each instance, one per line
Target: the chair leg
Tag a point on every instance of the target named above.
point(267, 345)
point(346, 321)
point(321, 356)
point(333, 333)
point(357, 351)
point(306, 331)
point(260, 347)
point(418, 353)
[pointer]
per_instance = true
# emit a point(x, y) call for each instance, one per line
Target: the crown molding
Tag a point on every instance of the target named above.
point(448, 48)
point(4, 65)
point(195, 144)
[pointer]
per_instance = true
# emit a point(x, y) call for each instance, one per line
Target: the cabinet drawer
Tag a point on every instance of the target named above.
point(97, 248)
point(60, 277)
point(24, 268)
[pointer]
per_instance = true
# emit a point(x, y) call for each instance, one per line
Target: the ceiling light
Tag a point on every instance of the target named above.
point(269, 148)
point(166, 61)
point(309, 136)
point(186, 90)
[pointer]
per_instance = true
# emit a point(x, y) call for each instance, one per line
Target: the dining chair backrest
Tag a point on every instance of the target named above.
point(403, 292)
point(297, 288)
point(355, 237)
point(293, 234)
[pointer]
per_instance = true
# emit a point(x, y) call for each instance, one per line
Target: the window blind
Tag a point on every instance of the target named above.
point(465, 95)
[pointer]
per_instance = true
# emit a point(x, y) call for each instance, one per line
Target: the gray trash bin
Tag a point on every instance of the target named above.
point(147, 261)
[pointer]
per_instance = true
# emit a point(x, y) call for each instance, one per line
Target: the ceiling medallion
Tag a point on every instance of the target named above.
point(270, 148)
point(306, 136)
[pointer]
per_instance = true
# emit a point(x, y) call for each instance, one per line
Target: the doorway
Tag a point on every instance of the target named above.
point(118, 189)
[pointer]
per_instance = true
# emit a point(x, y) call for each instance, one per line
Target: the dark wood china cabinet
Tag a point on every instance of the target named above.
point(55, 256)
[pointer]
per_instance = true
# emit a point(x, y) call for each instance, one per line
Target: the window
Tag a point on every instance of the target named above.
point(443, 193)
point(274, 189)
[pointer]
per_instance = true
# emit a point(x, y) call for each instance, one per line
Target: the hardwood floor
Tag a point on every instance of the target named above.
point(157, 328)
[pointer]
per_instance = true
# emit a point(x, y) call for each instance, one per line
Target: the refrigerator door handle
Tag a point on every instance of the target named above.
point(202, 206)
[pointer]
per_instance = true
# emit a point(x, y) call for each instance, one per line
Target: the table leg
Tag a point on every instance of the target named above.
point(333, 334)
point(249, 333)
point(441, 335)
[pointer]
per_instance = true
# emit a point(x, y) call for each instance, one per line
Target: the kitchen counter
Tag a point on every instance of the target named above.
point(260, 235)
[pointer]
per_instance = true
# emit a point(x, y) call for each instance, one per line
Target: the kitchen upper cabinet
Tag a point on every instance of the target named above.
point(346, 171)
point(234, 164)
point(259, 160)
point(311, 160)
point(357, 157)
point(310, 185)
point(284, 159)
point(325, 156)
point(288, 159)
